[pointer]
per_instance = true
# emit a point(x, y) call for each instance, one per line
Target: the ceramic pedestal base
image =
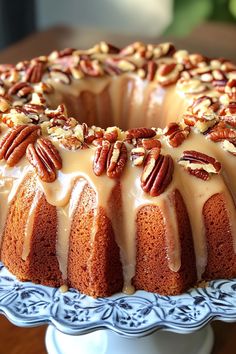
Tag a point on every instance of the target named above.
point(108, 342)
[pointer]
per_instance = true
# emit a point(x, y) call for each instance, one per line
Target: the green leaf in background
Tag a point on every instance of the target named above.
point(232, 7)
point(189, 13)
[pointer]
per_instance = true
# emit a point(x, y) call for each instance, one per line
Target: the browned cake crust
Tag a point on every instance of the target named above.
point(152, 269)
point(41, 266)
point(221, 256)
point(94, 268)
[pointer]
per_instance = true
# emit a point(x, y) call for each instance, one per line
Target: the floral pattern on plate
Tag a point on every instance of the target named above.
point(28, 304)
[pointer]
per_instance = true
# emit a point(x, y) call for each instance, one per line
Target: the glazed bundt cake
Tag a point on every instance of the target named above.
point(117, 169)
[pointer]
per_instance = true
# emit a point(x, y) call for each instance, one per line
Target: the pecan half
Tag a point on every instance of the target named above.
point(157, 173)
point(110, 158)
point(34, 73)
point(150, 69)
point(222, 133)
point(175, 134)
point(45, 158)
point(168, 74)
point(116, 159)
point(230, 88)
point(100, 157)
point(14, 144)
point(200, 165)
point(137, 133)
point(20, 89)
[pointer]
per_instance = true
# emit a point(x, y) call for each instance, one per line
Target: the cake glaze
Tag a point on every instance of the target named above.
point(69, 218)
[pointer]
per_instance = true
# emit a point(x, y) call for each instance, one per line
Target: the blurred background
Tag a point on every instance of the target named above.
point(147, 19)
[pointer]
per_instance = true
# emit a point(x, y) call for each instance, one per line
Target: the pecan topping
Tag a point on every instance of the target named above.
point(138, 155)
point(108, 48)
point(230, 88)
point(45, 158)
point(100, 157)
point(14, 144)
point(150, 69)
point(192, 85)
point(111, 135)
point(116, 159)
point(222, 133)
point(20, 89)
point(60, 76)
point(169, 73)
point(157, 172)
point(110, 157)
point(200, 165)
point(91, 67)
point(140, 133)
point(202, 113)
point(175, 134)
point(149, 144)
point(34, 73)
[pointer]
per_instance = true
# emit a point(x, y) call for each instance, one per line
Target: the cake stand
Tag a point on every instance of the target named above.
point(120, 323)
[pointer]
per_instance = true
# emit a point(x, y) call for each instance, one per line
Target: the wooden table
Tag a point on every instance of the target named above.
point(15, 340)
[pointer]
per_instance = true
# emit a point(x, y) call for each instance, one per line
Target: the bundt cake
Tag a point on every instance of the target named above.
point(89, 201)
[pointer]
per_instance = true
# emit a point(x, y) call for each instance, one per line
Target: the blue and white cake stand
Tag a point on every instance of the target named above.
point(119, 324)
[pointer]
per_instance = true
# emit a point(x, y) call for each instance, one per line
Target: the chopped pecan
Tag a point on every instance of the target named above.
point(71, 143)
point(4, 105)
point(218, 80)
point(20, 89)
point(65, 52)
point(34, 73)
point(60, 76)
point(149, 144)
point(111, 135)
point(202, 113)
point(157, 172)
point(45, 158)
point(108, 48)
point(116, 159)
point(91, 67)
point(230, 88)
point(228, 114)
point(137, 155)
point(168, 74)
point(14, 144)
point(198, 164)
point(132, 49)
point(175, 134)
point(227, 146)
point(120, 65)
point(143, 132)
point(192, 85)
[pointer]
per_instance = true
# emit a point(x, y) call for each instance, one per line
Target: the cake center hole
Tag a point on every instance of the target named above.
point(123, 102)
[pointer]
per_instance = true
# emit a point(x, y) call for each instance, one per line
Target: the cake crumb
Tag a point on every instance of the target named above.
point(64, 288)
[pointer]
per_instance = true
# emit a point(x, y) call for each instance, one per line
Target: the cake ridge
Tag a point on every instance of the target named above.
point(187, 163)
